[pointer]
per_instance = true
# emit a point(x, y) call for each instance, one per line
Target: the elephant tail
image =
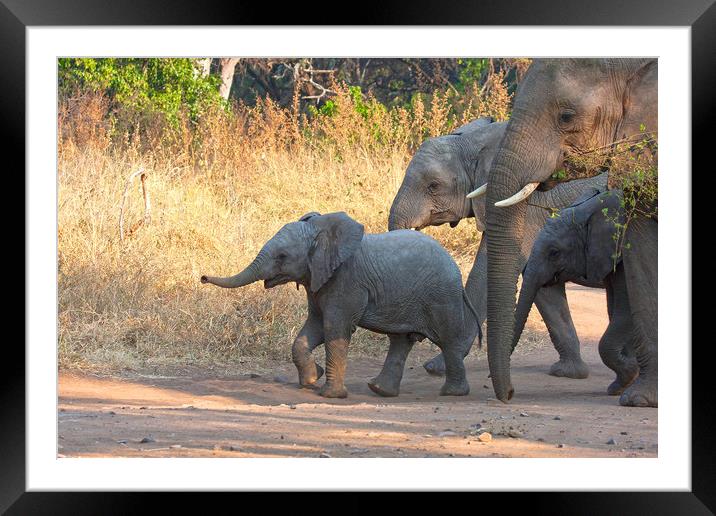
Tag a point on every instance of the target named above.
point(477, 319)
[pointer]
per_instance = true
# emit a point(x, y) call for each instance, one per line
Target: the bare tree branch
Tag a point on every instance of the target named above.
point(147, 206)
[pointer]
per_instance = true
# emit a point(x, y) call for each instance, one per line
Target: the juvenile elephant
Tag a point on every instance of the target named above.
point(442, 172)
point(579, 245)
point(403, 284)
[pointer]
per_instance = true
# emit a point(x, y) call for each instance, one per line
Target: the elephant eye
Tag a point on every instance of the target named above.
point(281, 256)
point(433, 185)
point(553, 253)
point(566, 117)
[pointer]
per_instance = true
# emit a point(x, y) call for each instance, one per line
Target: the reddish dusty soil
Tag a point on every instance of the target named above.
point(199, 414)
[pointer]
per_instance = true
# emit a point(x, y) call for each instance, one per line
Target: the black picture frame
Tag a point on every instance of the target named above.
point(17, 15)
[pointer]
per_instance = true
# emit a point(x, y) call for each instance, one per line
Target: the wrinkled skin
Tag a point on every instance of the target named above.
point(564, 107)
point(403, 284)
point(442, 172)
point(578, 246)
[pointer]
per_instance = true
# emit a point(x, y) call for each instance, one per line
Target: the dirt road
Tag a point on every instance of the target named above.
point(197, 413)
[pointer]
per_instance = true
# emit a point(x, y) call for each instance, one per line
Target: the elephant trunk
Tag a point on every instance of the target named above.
point(406, 211)
point(395, 221)
point(530, 287)
point(249, 275)
point(504, 251)
point(515, 165)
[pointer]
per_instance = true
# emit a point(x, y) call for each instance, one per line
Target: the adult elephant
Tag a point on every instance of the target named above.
point(565, 107)
point(442, 172)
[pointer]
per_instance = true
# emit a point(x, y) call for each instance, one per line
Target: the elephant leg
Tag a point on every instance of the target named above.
point(310, 337)
point(455, 378)
point(641, 273)
point(387, 383)
point(337, 335)
point(476, 290)
point(616, 346)
point(552, 305)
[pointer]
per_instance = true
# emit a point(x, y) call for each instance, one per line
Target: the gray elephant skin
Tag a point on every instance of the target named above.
point(565, 107)
point(441, 173)
point(579, 245)
point(403, 284)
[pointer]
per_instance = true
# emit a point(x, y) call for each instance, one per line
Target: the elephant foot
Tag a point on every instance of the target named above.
point(570, 368)
point(615, 388)
point(384, 387)
point(640, 394)
point(333, 391)
point(309, 376)
point(436, 365)
point(618, 385)
point(455, 389)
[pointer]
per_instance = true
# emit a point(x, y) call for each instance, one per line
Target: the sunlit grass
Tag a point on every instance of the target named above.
point(218, 192)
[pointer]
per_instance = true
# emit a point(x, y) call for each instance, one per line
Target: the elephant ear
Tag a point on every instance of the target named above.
point(309, 215)
point(337, 239)
point(473, 126)
point(640, 96)
point(601, 245)
point(587, 194)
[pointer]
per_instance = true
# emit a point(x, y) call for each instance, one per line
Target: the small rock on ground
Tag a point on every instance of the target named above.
point(485, 437)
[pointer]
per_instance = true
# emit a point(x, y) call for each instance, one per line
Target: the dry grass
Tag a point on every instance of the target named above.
point(219, 191)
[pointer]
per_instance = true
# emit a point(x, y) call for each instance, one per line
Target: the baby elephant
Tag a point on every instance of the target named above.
point(402, 283)
point(580, 246)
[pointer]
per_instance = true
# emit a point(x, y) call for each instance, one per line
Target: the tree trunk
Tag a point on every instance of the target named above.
point(228, 65)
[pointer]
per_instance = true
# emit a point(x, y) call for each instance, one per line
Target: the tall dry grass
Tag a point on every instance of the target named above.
point(219, 190)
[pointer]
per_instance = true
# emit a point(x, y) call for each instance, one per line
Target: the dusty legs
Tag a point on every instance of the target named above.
point(387, 383)
point(310, 337)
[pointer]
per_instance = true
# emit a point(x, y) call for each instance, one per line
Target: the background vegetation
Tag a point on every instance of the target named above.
point(224, 172)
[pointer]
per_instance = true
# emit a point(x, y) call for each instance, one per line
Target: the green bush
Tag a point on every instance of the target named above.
point(167, 86)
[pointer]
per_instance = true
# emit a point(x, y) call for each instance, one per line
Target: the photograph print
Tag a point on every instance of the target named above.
point(357, 257)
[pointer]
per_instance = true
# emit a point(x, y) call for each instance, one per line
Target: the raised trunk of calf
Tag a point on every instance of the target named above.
point(249, 275)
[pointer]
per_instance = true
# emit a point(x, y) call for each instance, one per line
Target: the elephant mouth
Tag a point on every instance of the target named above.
point(277, 280)
point(433, 221)
point(439, 219)
point(554, 280)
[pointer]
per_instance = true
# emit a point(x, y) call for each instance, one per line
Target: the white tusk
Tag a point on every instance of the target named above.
point(477, 193)
point(519, 196)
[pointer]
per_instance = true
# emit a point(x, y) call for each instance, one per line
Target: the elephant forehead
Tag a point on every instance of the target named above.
point(561, 227)
point(439, 146)
point(427, 165)
point(291, 232)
